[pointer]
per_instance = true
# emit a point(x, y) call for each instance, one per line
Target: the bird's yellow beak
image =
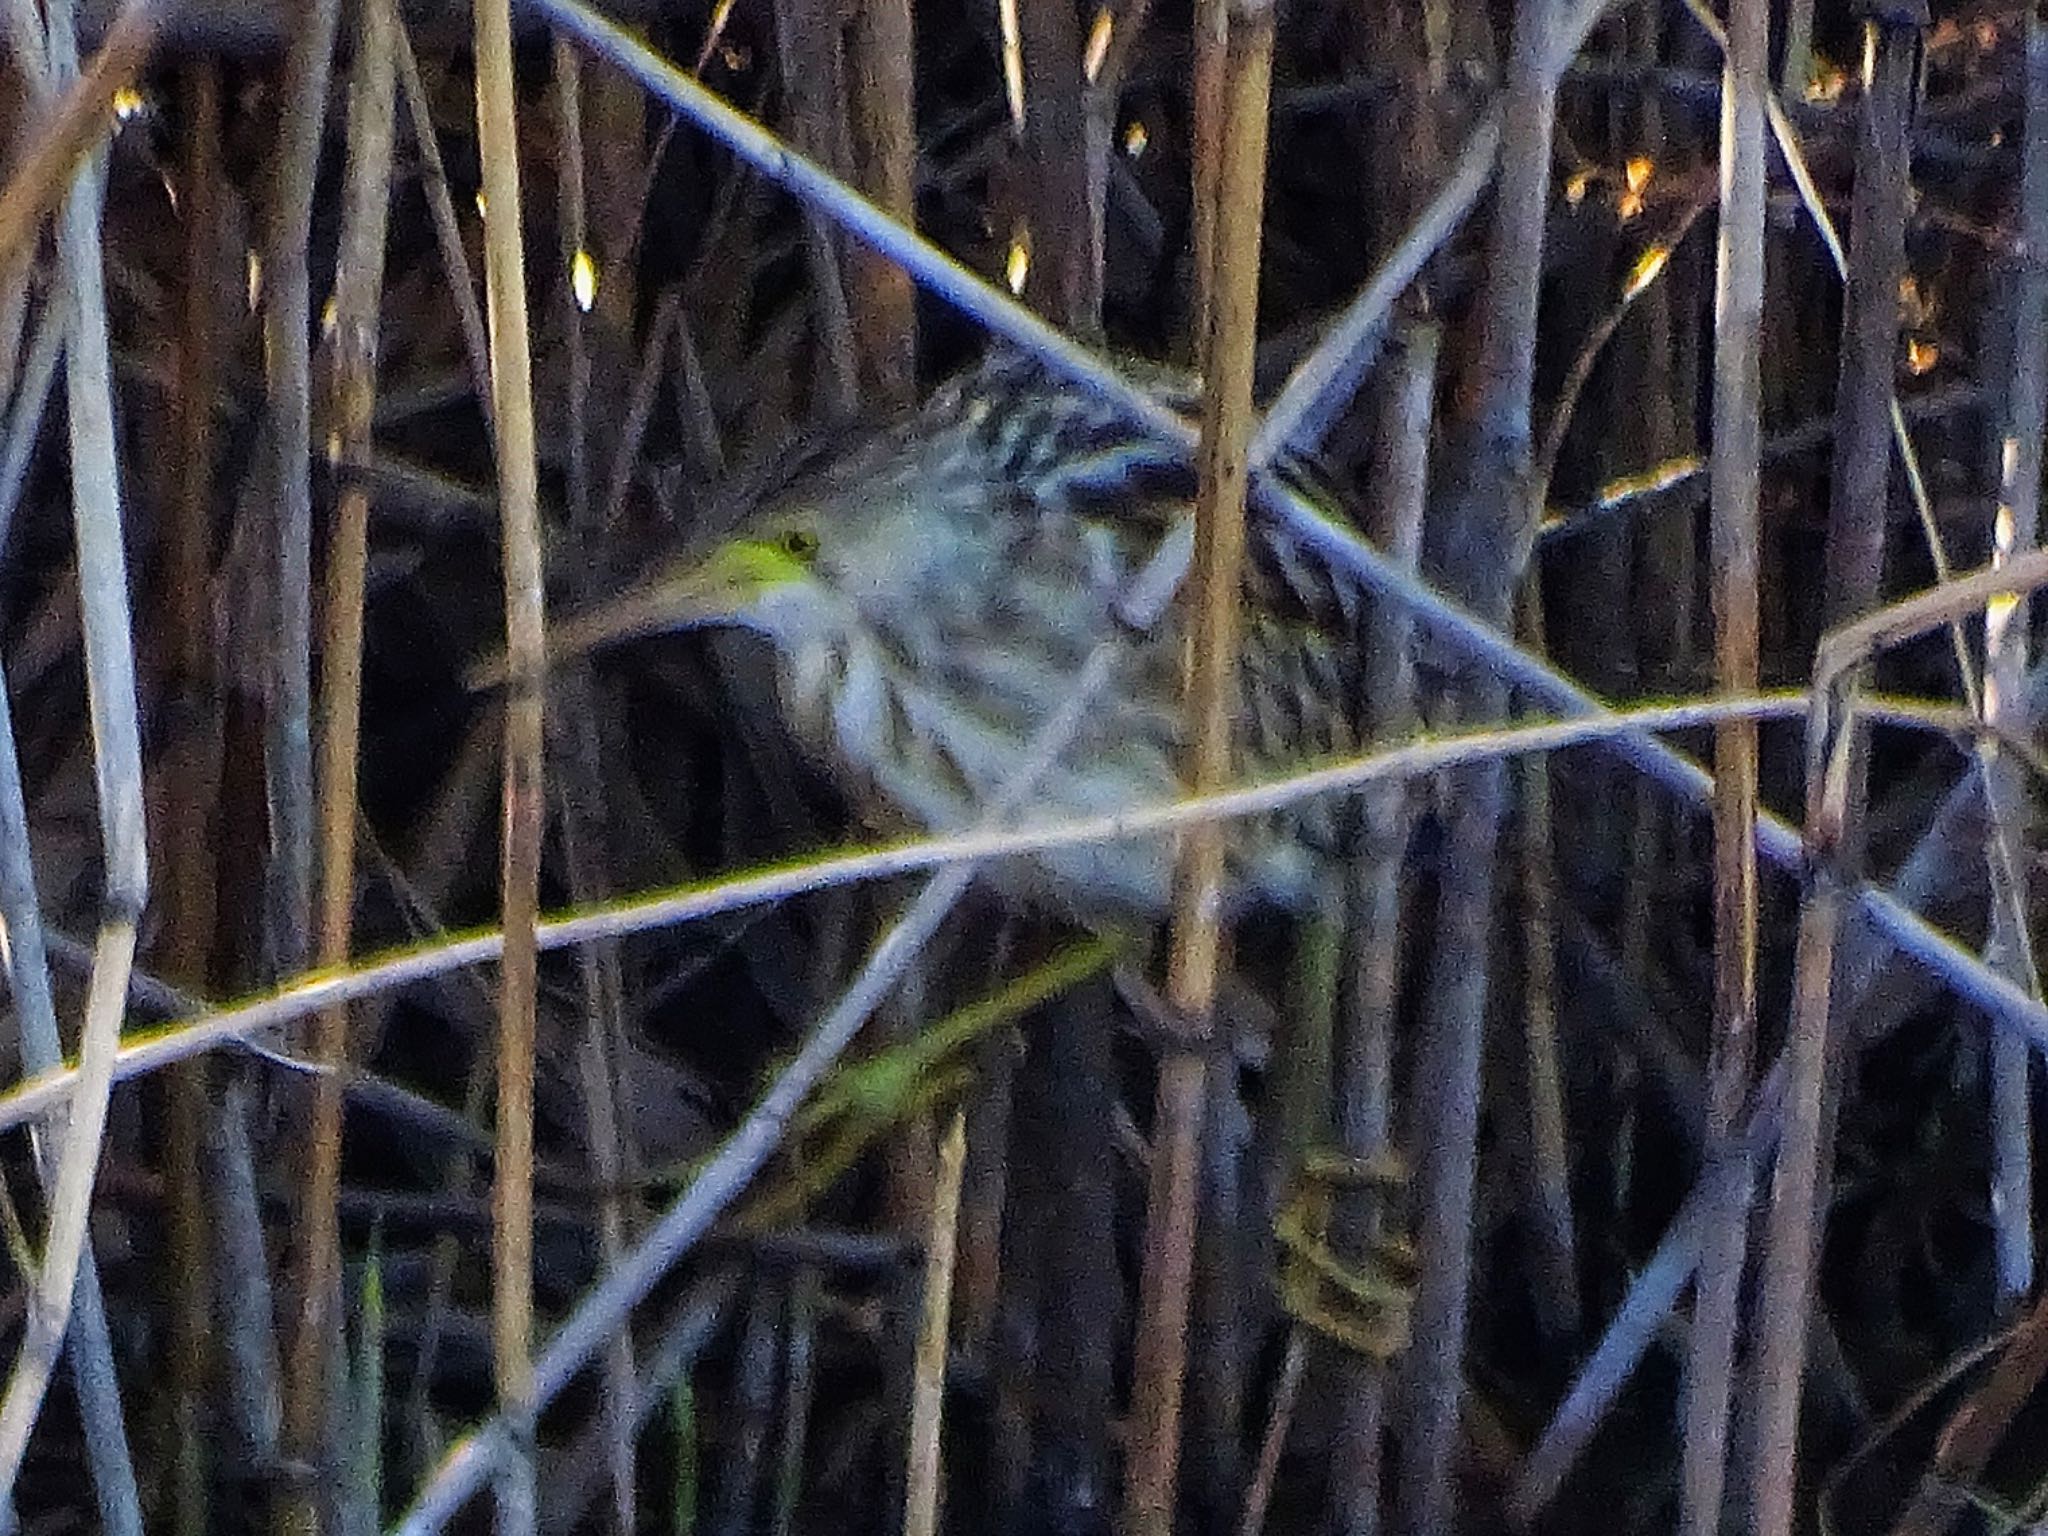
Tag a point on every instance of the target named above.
point(685, 599)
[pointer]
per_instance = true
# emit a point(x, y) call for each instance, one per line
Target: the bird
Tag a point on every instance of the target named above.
point(931, 587)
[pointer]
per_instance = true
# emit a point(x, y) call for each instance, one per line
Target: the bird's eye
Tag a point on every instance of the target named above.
point(799, 543)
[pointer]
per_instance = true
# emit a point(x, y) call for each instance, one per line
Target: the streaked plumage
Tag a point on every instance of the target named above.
point(932, 592)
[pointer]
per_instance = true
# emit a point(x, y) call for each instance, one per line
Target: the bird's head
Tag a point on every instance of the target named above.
point(794, 572)
point(914, 523)
point(917, 518)
point(764, 576)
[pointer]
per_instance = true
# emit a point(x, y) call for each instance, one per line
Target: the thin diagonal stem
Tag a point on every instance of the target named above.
point(151, 1051)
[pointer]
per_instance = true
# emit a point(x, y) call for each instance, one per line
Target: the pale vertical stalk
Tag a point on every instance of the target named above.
point(288, 429)
point(1735, 474)
point(359, 288)
point(1491, 522)
point(1365, 1058)
point(117, 767)
point(1161, 1350)
point(519, 498)
point(928, 1388)
point(1859, 500)
point(2016, 528)
point(24, 966)
point(1789, 1241)
point(23, 954)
